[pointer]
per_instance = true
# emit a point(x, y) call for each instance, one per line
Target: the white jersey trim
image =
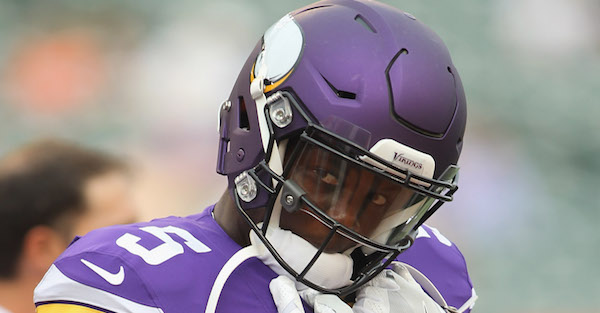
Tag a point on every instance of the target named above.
point(56, 286)
point(470, 303)
point(235, 261)
point(434, 293)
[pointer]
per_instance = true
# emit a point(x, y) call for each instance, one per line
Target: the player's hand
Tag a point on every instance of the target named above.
point(287, 298)
point(394, 291)
point(391, 291)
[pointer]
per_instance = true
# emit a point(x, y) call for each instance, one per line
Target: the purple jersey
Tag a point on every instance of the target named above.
point(173, 265)
point(440, 260)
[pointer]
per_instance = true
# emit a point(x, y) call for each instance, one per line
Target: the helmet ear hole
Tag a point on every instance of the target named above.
point(243, 121)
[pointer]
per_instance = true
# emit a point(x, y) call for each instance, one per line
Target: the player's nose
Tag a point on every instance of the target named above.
point(348, 208)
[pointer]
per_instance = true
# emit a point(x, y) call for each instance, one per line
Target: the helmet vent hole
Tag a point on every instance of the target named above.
point(340, 93)
point(316, 7)
point(362, 21)
point(243, 121)
point(449, 70)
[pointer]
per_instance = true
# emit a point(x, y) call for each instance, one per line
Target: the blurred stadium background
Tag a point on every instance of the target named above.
point(144, 79)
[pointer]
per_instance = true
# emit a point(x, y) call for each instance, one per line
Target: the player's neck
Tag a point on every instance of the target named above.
point(231, 221)
point(16, 295)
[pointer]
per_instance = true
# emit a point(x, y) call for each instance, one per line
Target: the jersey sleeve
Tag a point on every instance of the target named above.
point(444, 265)
point(168, 265)
point(59, 293)
point(94, 274)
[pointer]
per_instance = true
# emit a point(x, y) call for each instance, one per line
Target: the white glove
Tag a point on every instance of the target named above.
point(285, 295)
point(394, 291)
point(391, 291)
point(287, 298)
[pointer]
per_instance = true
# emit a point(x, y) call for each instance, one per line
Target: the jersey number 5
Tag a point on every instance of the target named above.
point(165, 251)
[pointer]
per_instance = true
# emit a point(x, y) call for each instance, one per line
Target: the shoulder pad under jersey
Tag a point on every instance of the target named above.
point(443, 264)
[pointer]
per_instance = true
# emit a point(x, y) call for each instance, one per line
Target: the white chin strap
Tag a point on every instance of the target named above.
point(331, 270)
point(275, 162)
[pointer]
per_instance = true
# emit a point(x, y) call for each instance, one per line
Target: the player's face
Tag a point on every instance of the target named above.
point(354, 196)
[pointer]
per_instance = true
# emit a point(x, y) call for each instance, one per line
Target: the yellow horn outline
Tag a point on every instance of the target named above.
point(274, 84)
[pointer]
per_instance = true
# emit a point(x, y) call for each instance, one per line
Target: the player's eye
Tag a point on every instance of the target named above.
point(326, 177)
point(378, 199)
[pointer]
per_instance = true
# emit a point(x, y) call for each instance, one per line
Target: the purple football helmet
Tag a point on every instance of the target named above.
point(345, 105)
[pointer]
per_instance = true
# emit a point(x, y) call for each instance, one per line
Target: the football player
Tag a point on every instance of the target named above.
point(340, 138)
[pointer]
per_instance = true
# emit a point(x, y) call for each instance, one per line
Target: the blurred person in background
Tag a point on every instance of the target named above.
point(362, 104)
point(50, 192)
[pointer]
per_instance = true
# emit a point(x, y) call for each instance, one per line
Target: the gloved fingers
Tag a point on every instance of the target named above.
point(324, 303)
point(327, 303)
point(394, 290)
point(403, 272)
point(372, 299)
point(387, 279)
point(285, 296)
point(407, 298)
point(309, 295)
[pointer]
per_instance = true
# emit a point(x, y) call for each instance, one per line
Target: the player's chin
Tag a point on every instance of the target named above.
point(315, 233)
point(337, 244)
